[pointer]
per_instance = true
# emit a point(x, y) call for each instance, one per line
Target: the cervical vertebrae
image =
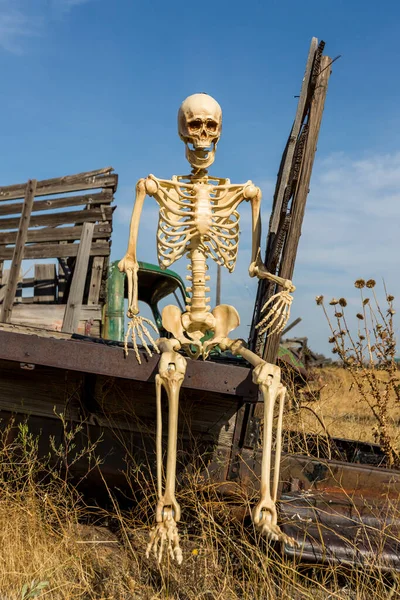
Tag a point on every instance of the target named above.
point(198, 217)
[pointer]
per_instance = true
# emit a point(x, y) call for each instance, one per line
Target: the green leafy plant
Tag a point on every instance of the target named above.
point(33, 589)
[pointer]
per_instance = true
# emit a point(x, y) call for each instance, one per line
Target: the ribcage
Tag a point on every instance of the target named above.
point(223, 240)
point(220, 244)
point(173, 236)
point(179, 222)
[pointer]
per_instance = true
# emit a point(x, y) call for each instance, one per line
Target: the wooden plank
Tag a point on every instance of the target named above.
point(18, 252)
point(73, 310)
point(99, 248)
point(105, 197)
point(51, 316)
point(62, 218)
point(54, 234)
point(102, 178)
point(19, 344)
point(293, 137)
point(45, 283)
point(300, 197)
point(95, 280)
point(280, 200)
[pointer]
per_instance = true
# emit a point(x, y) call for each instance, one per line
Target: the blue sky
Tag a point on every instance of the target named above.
point(89, 83)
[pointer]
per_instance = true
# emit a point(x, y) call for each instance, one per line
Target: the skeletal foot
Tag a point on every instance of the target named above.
point(165, 534)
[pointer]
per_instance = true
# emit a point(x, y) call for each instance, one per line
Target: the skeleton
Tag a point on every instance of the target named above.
point(198, 217)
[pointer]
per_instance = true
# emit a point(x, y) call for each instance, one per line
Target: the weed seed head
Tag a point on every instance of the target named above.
point(319, 300)
point(342, 302)
point(359, 283)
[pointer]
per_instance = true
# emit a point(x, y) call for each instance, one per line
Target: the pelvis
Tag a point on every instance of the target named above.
point(199, 334)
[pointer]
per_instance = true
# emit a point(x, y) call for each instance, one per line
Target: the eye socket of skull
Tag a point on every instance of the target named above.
point(195, 125)
point(211, 126)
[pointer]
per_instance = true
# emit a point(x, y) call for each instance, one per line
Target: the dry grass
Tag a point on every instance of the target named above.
point(342, 409)
point(55, 547)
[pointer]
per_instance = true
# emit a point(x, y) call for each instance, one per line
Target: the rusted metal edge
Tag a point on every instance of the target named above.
point(95, 356)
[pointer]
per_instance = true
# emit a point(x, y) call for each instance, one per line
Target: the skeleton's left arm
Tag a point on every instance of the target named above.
point(257, 269)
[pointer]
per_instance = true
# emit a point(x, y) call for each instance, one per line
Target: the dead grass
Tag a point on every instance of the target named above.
point(55, 547)
point(337, 402)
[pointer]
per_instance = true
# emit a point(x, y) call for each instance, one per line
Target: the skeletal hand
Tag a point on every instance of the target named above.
point(279, 312)
point(165, 534)
point(265, 521)
point(137, 329)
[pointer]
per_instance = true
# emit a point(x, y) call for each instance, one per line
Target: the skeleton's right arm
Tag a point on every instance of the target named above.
point(129, 263)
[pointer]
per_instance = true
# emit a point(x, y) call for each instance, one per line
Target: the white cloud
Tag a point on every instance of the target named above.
point(15, 26)
point(22, 19)
point(61, 7)
point(350, 231)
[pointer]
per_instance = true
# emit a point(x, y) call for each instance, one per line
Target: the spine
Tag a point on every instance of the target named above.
point(197, 300)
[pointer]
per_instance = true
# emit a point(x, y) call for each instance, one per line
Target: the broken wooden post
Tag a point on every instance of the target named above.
point(291, 191)
point(74, 304)
point(18, 253)
point(300, 196)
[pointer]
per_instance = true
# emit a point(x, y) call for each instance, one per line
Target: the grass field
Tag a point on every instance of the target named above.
point(344, 412)
point(55, 547)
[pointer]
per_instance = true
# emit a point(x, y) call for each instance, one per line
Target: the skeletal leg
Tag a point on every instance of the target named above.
point(267, 377)
point(278, 446)
point(172, 368)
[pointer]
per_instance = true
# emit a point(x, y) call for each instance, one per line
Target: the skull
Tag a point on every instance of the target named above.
point(200, 124)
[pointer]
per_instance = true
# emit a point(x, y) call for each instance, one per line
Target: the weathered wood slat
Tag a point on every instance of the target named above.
point(280, 200)
point(72, 313)
point(18, 252)
point(293, 138)
point(52, 234)
point(104, 197)
point(56, 250)
point(45, 283)
point(102, 178)
point(74, 216)
point(95, 280)
point(27, 282)
point(300, 196)
point(51, 316)
point(18, 293)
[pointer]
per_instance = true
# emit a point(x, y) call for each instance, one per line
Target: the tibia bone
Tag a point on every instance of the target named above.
point(172, 369)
